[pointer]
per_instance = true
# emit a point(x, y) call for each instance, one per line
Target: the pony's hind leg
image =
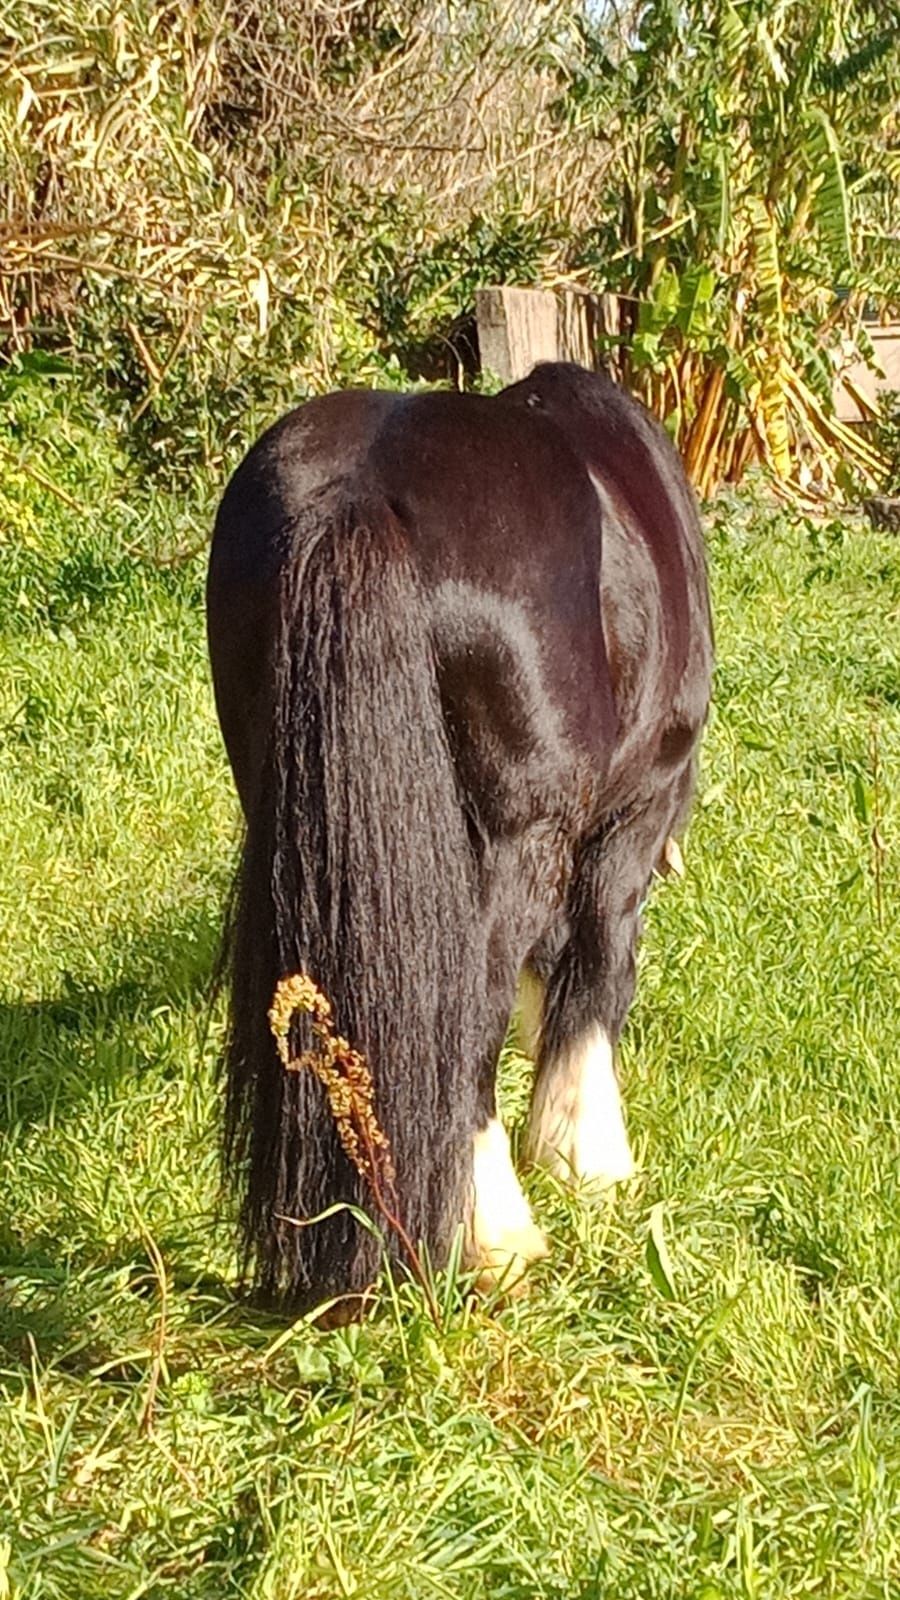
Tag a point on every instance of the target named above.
point(501, 1234)
point(576, 1123)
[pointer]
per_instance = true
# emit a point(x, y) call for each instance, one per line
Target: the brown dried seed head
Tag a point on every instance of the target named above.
point(342, 1071)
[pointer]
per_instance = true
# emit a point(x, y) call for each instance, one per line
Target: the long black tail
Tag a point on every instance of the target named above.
point(357, 870)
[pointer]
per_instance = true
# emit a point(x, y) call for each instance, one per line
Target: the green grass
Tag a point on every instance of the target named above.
point(596, 1438)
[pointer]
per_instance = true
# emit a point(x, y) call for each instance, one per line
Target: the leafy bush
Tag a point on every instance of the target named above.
point(750, 212)
point(221, 208)
point(225, 207)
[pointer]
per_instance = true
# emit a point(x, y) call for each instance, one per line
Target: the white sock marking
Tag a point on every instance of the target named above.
point(504, 1236)
point(576, 1128)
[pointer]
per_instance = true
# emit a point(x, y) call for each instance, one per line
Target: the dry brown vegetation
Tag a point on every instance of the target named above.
point(225, 206)
point(207, 167)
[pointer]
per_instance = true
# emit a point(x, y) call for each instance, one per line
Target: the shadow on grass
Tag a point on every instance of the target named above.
point(100, 1319)
point(55, 1051)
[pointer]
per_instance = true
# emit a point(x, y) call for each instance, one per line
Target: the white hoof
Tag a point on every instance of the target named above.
point(576, 1128)
point(503, 1236)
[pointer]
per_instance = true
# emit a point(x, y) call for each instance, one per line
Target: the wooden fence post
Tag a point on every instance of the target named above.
point(519, 327)
point(516, 328)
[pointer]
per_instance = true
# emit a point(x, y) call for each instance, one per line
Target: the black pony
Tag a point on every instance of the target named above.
point(461, 650)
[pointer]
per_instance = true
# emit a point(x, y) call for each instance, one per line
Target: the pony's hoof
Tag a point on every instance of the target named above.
point(600, 1188)
point(503, 1237)
point(593, 1180)
point(502, 1265)
point(576, 1129)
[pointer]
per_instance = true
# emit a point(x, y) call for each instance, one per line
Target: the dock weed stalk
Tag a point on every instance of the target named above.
point(345, 1076)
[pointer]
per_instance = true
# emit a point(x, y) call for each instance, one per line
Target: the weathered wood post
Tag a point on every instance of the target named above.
point(518, 327)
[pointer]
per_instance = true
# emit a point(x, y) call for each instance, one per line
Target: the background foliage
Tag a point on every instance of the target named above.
point(221, 207)
point(755, 151)
point(224, 206)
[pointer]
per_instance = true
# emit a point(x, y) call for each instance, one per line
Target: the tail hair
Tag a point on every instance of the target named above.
point(356, 870)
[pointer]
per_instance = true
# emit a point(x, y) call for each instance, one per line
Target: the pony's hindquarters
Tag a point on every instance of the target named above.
point(356, 871)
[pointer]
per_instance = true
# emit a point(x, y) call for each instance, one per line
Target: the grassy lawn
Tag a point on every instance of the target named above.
point(734, 1432)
